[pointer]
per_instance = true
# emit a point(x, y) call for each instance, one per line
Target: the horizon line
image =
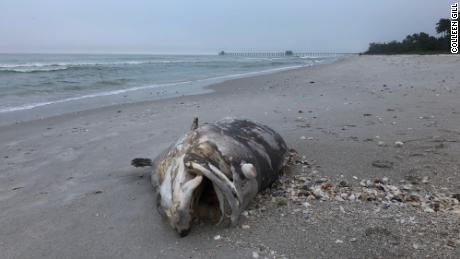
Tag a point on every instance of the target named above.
point(161, 53)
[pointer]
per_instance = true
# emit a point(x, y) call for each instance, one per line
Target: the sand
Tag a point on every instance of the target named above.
point(67, 189)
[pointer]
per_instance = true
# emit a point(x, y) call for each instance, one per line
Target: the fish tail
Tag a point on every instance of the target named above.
point(141, 162)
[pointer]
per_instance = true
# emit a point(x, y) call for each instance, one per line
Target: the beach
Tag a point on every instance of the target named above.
point(67, 189)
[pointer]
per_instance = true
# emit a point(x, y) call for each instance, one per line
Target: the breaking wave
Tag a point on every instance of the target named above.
point(28, 68)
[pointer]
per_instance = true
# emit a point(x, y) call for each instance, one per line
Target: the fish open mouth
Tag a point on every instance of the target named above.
point(215, 197)
point(206, 205)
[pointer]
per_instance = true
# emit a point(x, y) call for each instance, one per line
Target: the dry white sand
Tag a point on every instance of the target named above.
point(67, 189)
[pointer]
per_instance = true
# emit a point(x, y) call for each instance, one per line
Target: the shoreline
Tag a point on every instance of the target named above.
point(67, 187)
point(197, 87)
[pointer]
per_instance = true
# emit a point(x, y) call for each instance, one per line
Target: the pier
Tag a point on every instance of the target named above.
point(283, 54)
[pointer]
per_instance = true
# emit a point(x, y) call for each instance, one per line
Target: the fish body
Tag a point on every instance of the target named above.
point(215, 170)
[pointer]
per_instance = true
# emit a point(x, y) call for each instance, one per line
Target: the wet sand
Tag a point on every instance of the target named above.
point(67, 189)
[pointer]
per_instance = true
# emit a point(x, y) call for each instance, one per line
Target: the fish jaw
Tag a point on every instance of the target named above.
point(176, 194)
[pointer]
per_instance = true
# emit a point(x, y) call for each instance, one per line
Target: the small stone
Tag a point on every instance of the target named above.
point(327, 186)
point(382, 164)
point(425, 179)
point(255, 254)
point(365, 183)
point(456, 196)
point(218, 237)
point(306, 187)
point(413, 179)
point(396, 197)
point(245, 227)
point(440, 145)
point(414, 197)
point(451, 243)
point(381, 143)
point(338, 241)
point(280, 201)
point(364, 196)
point(428, 209)
point(343, 184)
point(306, 204)
point(339, 198)
point(321, 180)
point(378, 182)
point(407, 187)
point(353, 239)
point(352, 197)
point(416, 246)
point(436, 206)
point(386, 206)
point(303, 138)
point(399, 144)
point(456, 211)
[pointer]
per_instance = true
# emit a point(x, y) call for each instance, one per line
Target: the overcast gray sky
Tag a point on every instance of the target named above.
point(207, 26)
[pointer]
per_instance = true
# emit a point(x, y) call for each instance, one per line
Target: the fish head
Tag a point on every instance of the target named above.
point(176, 188)
point(193, 185)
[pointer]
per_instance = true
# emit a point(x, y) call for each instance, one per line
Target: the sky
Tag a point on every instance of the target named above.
point(208, 26)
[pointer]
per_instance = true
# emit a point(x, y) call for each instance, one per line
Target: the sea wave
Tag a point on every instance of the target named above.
point(52, 66)
point(32, 69)
point(209, 80)
point(57, 66)
point(100, 94)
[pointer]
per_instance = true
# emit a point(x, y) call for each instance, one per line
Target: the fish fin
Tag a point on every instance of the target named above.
point(248, 170)
point(194, 124)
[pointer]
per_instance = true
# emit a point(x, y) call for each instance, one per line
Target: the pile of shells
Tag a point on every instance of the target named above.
point(310, 187)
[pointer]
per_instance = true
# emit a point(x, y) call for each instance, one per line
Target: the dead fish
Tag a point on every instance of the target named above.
point(214, 171)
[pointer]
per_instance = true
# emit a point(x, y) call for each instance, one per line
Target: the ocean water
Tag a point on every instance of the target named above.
point(41, 85)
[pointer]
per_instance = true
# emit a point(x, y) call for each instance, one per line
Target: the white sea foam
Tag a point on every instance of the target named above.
point(30, 69)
